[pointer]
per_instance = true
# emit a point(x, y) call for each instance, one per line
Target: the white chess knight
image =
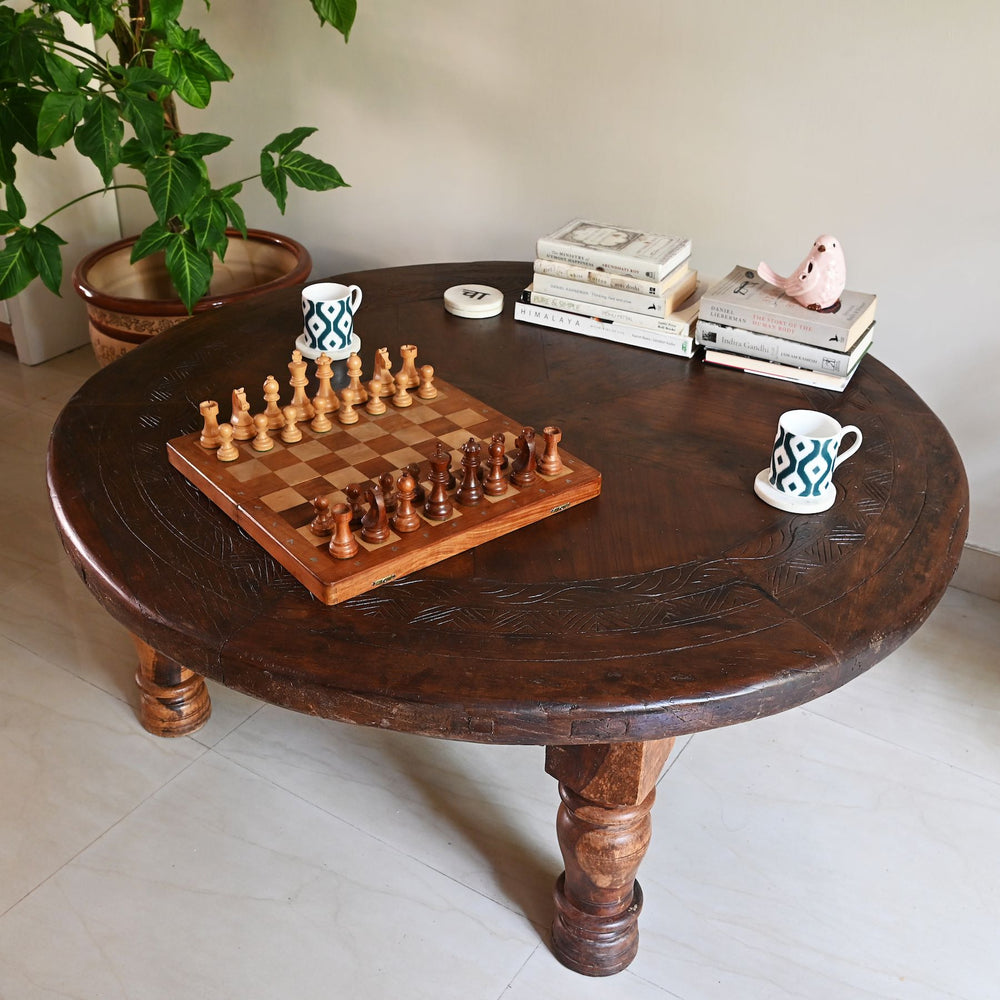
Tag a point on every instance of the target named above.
point(818, 281)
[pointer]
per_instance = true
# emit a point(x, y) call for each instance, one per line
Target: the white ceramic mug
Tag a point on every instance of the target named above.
point(328, 309)
point(806, 450)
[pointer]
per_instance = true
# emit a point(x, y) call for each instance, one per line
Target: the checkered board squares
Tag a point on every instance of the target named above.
point(269, 493)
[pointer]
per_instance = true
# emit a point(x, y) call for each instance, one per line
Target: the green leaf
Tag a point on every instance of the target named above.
point(339, 13)
point(19, 113)
point(171, 182)
point(310, 172)
point(15, 203)
point(16, 268)
point(207, 221)
point(100, 136)
point(8, 163)
point(145, 115)
point(200, 143)
point(43, 251)
point(24, 53)
point(152, 239)
point(136, 155)
point(190, 269)
point(63, 74)
point(190, 83)
point(161, 12)
point(235, 215)
point(274, 180)
point(288, 141)
point(58, 117)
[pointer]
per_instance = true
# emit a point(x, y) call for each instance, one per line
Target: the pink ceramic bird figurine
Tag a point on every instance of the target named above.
point(818, 280)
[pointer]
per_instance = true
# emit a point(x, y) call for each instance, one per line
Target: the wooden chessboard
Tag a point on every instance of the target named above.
point(268, 493)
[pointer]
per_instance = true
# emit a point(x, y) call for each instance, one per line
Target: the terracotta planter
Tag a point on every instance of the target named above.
point(129, 303)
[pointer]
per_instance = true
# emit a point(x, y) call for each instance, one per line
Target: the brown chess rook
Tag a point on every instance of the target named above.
point(343, 544)
point(551, 464)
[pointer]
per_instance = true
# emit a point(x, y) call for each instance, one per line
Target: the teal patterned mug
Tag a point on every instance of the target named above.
point(806, 451)
point(328, 310)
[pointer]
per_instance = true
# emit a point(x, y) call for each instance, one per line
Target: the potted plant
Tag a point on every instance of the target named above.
point(117, 101)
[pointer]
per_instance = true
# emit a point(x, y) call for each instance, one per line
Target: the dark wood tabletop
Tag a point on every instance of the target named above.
point(674, 602)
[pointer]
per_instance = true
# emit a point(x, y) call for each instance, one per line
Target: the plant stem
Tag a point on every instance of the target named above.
point(90, 194)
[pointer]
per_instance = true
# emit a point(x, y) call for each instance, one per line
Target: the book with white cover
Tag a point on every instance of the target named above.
point(619, 333)
point(615, 298)
point(764, 347)
point(787, 373)
point(615, 248)
point(643, 286)
point(743, 299)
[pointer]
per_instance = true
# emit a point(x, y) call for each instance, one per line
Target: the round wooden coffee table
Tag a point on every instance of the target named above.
point(674, 602)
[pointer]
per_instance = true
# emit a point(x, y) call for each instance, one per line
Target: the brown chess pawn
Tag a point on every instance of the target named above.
point(209, 410)
point(406, 518)
point(409, 355)
point(228, 452)
point(272, 393)
point(550, 464)
point(343, 544)
point(353, 494)
point(414, 470)
point(388, 484)
point(495, 483)
point(323, 523)
point(375, 405)
point(401, 398)
point(523, 469)
point(241, 420)
point(290, 433)
point(262, 440)
point(427, 388)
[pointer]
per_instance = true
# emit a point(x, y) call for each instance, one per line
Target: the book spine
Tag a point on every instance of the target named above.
point(775, 349)
point(663, 324)
point(608, 260)
point(803, 331)
point(787, 373)
point(572, 272)
point(681, 346)
point(614, 298)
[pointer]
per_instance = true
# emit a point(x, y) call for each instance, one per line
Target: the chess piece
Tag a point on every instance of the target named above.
point(323, 523)
point(495, 483)
point(438, 506)
point(298, 382)
point(409, 355)
point(272, 392)
point(375, 523)
point(343, 544)
point(550, 464)
point(388, 485)
point(321, 422)
point(209, 410)
point(406, 518)
point(354, 391)
point(290, 433)
point(347, 414)
point(228, 452)
point(523, 468)
point(324, 375)
point(383, 372)
point(421, 495)
point(241, 420)
point(401, 398)
point(262, 441)
point(427, 388)
point(470, 492)
point(818, 281)
point(353, 494)
point(375, 405)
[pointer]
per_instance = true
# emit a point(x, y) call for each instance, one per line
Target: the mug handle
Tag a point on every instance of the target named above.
point(849, 429)
point(354, 293)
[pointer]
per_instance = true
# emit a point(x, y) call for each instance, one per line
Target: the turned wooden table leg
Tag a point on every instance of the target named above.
point(603, 826)
point(173, 701)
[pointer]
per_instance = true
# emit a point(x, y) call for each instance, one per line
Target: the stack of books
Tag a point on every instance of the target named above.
point(746, 323)
point(615, 283)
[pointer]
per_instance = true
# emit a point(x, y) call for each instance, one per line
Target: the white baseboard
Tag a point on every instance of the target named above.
point(979, 572)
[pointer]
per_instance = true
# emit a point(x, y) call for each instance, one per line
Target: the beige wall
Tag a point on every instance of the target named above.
point(469, 128)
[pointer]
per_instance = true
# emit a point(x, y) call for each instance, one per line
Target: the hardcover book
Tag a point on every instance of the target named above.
point(678, 322)
point(613, 248)
point(786, 373)
point(764, 347)
point(615, 298)
point(619, 333)
point(743, 299)
point(643, 286)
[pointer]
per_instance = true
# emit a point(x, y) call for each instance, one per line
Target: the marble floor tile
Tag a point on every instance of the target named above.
point(73, 762)
point(223, 885)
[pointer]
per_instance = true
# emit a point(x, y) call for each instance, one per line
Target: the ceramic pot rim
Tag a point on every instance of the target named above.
point(174, 307)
